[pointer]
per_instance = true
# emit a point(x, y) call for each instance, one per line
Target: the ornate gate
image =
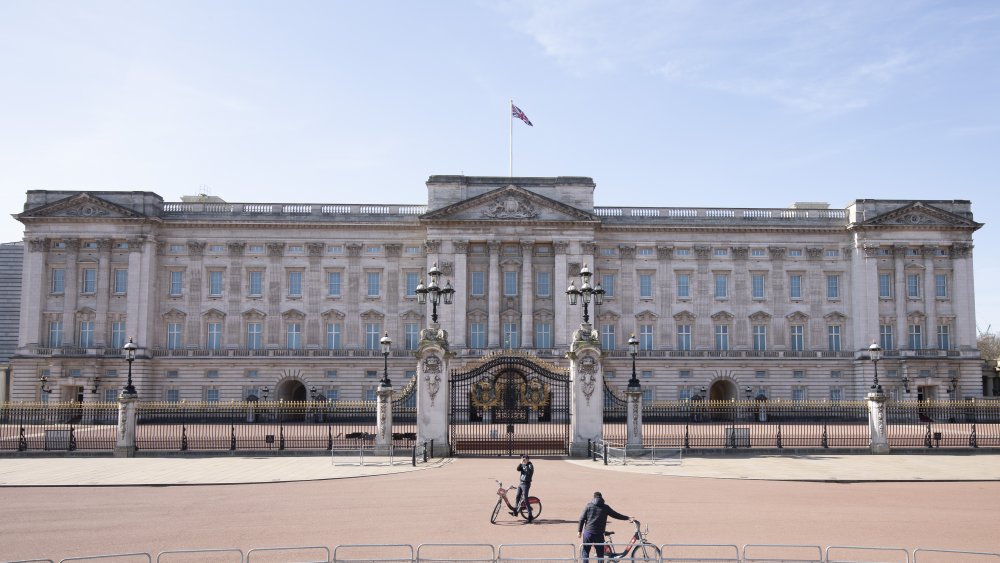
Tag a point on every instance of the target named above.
point(509, 404)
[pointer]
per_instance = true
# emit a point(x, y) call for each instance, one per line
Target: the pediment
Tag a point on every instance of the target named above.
point(797, 317)
point(213, 313)
point(174, 314)
point(684, 316)
point(646, 315)
point(722, 316)
point(333, 314)
point(835, 317)
point(82, 206)
point(509, 204)
point(254, 313)
point(411, 316)
point(921, 215)
point(293, 314)
point(760, 317)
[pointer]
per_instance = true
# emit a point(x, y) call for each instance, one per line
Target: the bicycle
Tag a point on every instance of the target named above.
point(637, 549)
point(536, 505)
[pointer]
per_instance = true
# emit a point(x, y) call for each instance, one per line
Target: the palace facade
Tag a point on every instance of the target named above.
point(289, 301)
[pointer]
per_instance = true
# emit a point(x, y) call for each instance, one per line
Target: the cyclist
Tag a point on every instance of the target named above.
point(527, 471)
point(592, 524)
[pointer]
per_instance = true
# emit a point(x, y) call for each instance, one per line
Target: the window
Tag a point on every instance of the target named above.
point(797, 338)
point(251, 374)
point(212, 374)
point(121, 282)
point(833, 338)
point(684, 374)
point(836, 394)
point(720, 252)
point(117, 334)
point(941, 286)
point(214, 341)
point(543, 284)
point(645, 337)
point(89, 281)
point(215, 283)
point(173, 396)
point(798, 374)
point(173, 336)
point(510, 335)
point(295, 284)
point(510, 284)
point(758, 252)
point(795, 286)
point(645, 286)
point(374, 283)
point(608, 336)
point(216, 248)
point(721, 286)
point(683, 337)
point(760, 374)
point(173, 374)
point(331, 373)
point(333, 284)
point(253, 336)
point(721, 337)
point(369, 394)
point(411, 336)
point(885, 286)
point(86, 334)
point(795, 252)
point(913, 286)
point(833, 286)
point(886, 341)
point(412, 280)
point(647, 396)
point(683, 286)
point(607, 252)
point(682, 252)
point(608, 284)
point(478, 285)
point(757, 286)
point(255, 283)
point(110, 395)
point(255, 249)
point(371, 373)
point(477, 335)
point(293, 336)
point(373, 333)
point(176, 283)
point(944, 337)
point(55, 334)
point(333, 336)
point(646, 374)
point(798, 393)
point(58, 281)
point(836, 374)
point(915, 334)
point(211, 395)
point(760, 337)
point(373, 249)
point(543, 335)
point(832, 253)
point(335, 249)
point(645, 251)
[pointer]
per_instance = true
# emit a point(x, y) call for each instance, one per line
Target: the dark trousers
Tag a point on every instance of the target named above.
point(598, 541)
point(522, 493)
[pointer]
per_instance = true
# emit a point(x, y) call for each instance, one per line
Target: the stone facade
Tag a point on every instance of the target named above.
point(227, 299)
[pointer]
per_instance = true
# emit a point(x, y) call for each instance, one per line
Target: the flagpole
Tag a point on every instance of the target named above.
point(510, 118)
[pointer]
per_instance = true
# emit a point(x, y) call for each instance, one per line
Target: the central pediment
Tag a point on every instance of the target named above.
point(509, 204)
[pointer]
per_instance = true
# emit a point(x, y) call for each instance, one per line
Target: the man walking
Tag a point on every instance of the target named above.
point(592, 524)
point(527, 471)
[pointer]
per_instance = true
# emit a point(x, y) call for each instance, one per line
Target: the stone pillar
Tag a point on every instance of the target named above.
point(877, 422)
point(493, 338)
point(105, 283)
point(527, 295)
point(432, 390)
point(32, 329)
point(634, 430)
point(460, 250)
point(586, 379)
point(560, 281)
point(127, 405)
point(383, 420)
point(74, 286)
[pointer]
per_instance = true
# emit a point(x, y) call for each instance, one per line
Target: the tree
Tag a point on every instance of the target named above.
point(988, 344)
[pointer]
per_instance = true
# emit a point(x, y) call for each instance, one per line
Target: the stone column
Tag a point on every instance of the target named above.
point(899, 297)
point(877, 422)
point(560, 281)
point(433, 395)
point(393, 288)
point(74, 285)
point(633, 432)
point(125, 443)
point(460, 250)
point(33, 294)
point(233, 333)
point(963, 296)
point(383, 420)
point(105, 285)
point(493, 292)
point(527, 295)
point(195, 293)
point(586, 375)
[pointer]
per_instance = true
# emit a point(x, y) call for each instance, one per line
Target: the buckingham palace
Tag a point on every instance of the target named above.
point(231, 300)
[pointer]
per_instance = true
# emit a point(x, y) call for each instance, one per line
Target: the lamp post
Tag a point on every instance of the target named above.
point(906, 383)
point(633, 350)
point(952, 387)
point(312, 393)
point(129, 350)
point(585, 293)
point(748, 391)
point(265, 391)
point(386, 345)
point(434, 292)
point(43, 384)
point(96, 384)
point(875, 353)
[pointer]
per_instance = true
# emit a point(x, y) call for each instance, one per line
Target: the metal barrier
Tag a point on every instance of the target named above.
point(536, 552)
point(854, 554)
point(699, 553)
point(780, 553)
point(921, 555)
point(456, 552)
point(195, 555)
point(121, 557)
point(359, 553)
point(285, 554)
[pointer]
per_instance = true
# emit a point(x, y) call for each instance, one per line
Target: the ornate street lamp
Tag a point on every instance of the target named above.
point(43, 384)
point(95, 384)
point(748, 391)
point(906, 383)
point(129, 350)
point(434, 292)
point(585, 292)
point(952, 386)
point(386, 345)
point(312, 393)
point(633, 350)
point(875, 353)
point(265, 391)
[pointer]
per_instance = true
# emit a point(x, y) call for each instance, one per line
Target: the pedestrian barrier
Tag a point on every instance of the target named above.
point(201, 555)
point(854, 554)
point(359, 553)
point(691, 553)
point(922, 555)
point(117, 558)
point(779, 553)
point(535, 552)
point(466, 553)
point(318, 554)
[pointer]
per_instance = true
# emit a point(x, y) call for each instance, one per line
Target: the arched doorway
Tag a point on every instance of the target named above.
point(290, 390)
point(722, 390)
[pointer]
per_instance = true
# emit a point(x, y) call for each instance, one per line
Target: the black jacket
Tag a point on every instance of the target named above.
point(595, 517)
point(527, 471)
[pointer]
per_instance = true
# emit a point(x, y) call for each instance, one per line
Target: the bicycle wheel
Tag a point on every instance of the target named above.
point(645, 552)
point(536, 508)
point(496, 511)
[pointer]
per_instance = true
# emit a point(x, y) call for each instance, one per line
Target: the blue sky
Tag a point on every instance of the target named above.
point(663, 103)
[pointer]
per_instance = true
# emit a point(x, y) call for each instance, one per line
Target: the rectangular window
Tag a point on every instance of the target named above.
point(647, 396)
point(647, 374)
point(173, 336)
point(251, 373)
point(608, 284)
point(212, 374)
point(215, 283)
point(684, 337)
point(608, 336)
point(833, 338)
point(295, 284)
point(913, 286)
point(684, 374)
point(211, 395)
point(411, 336)
point(684, 394)
point(543, 335)
point(886, 341)
point(121, 282)
point(412, 279)
point(645, 337)
point(836, 394)
point(645, 286)
point(797, 338)
point(721, 286)
point(758, 252)
point(293, 336)
point(86, 334)
point(798, 393)
point(833, 286)
point(683, 286)
point(915, 333)
point(760, 374)
point(331, 373)
point(369, 394)
point(477, 335)
point(795, 286)
point(173, 374)
point(173, 396)
point(944, 337)
point(176, 283)
point(333, 284)
point(510, 284)
point(371, 373)
point(255, 283)
point(253, 336)
point(510, 335)
point(760, 337)
point(721, 337)
point(720, 252)
point(757, 286)
point(117, 334)
point(214, 341)
point(941, 286)
point(478, 285)
point(543, 284)
point(836, 374)
point(374, 283)
point(89, 281)
point(798, 374)
point(885, 286)
point(58, 281)
point(333, 336)
point(373, 333)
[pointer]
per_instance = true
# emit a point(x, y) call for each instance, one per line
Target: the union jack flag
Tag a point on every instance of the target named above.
point(516, 112)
